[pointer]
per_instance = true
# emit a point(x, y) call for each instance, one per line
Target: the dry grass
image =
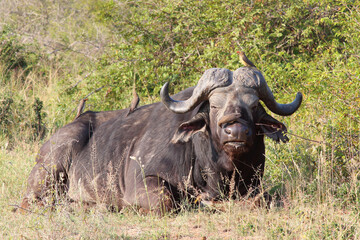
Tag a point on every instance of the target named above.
point(299, 216)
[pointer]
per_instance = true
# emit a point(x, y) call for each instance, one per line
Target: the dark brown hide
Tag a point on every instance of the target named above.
point(153, 156)
point(50, 174)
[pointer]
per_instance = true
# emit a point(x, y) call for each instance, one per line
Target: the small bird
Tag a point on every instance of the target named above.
point(244, 60)
point(134, 102)
point(81, 107)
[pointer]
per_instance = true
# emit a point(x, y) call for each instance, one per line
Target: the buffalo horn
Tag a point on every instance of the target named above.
point(281, 109)
point(253, 78)
point(211, 79)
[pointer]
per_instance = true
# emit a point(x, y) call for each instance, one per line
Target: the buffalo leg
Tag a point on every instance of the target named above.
point(49, 175)
point(154, 195)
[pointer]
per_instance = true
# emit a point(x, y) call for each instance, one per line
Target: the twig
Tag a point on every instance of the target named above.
point(95, 91)
point(276, 129)
point(86, 76)
point(18, 207)
point(304, 138)
point(75, 84)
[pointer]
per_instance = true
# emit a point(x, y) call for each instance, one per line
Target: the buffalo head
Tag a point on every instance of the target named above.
point(230, 111)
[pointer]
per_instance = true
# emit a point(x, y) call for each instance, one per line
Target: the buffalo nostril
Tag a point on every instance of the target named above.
point(227, 131)
point(237, 130)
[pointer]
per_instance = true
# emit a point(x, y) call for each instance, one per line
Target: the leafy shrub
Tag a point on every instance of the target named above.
point(15, 56)
point(5, 114)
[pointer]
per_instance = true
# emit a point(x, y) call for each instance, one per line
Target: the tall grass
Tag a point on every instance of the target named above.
point(302, 214)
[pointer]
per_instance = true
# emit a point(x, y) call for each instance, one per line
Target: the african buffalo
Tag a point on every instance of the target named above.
point(211, 135)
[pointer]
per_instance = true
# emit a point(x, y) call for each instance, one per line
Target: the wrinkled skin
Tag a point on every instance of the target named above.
point(153, 157)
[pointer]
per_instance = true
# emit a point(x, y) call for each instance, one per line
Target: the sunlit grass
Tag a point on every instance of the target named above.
point(298, 216)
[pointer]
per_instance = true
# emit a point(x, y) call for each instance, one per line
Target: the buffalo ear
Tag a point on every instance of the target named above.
point(269, 126)
point(187, 129)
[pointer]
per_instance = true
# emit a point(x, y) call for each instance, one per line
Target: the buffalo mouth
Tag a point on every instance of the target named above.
point(235, 144)
point(232, 147)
